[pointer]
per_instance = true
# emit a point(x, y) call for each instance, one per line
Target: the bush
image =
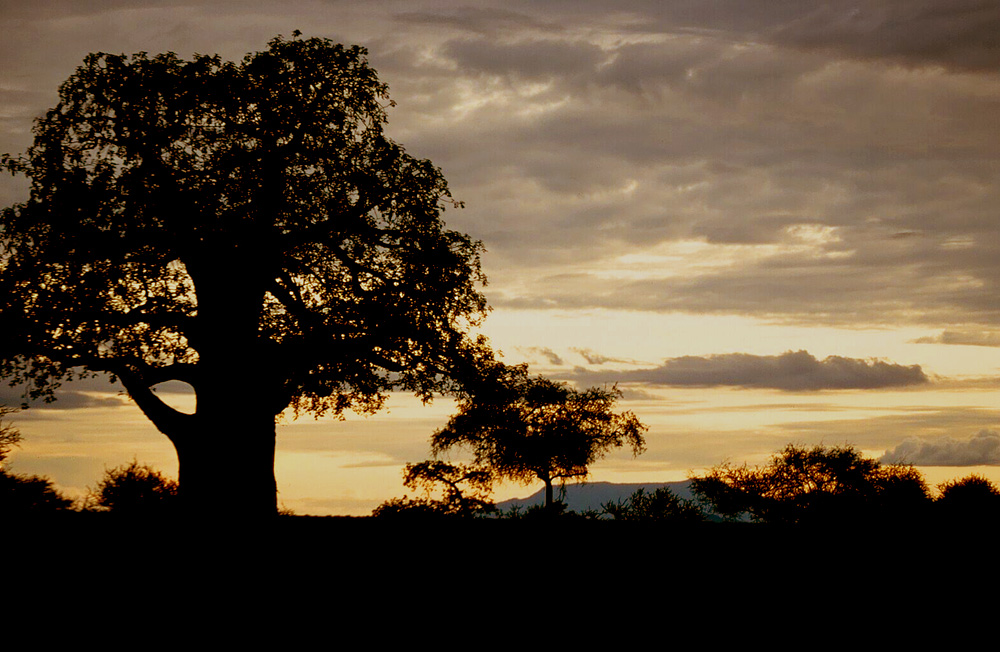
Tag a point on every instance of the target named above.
point(972, 497)
point(465, 492)
point(24, 494)
point(662, 505)
point(133, 489)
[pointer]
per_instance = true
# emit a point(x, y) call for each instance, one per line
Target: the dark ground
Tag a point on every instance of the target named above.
point(490, 575)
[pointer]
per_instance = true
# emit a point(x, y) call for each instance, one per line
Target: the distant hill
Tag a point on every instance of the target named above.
point(592, 495)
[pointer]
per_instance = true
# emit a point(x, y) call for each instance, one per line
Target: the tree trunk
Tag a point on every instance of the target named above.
point(548, 494)
point(227, 459)
point(227, 468)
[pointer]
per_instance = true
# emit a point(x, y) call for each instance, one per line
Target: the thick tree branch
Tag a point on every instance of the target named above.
point(171, 422)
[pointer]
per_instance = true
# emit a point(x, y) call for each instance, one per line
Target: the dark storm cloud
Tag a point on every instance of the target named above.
point(793, 371)
point(966, 338)
point(983, 448)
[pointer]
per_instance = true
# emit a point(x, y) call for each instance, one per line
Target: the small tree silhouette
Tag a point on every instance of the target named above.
point(524, 429)
point(133, 488)
point(434, 475)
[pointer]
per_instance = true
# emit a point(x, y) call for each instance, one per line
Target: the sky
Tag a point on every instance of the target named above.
point(768, 222)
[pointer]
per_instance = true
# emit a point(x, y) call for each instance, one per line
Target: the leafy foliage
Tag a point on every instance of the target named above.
point(660, 505)
point(213, 222)
point(558, 509)
point(133, 488)
point(434, 475)
point(9, 435)
point(524, 429)
point(29, 494)
point(808, 485)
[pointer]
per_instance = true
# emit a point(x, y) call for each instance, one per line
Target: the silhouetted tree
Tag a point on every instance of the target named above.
point(660, 505)
point(801, 484)
point(522, 428)
point(435, 475)
point(133, 489)
point(246, 228)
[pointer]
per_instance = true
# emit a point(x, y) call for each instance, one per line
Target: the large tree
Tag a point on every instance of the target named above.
point(525, 428)
point(246, 228)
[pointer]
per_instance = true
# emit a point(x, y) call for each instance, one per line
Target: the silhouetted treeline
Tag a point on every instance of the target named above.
point(798, 486)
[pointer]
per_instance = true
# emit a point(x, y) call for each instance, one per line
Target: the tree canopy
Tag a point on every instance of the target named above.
point(465, 491)
point(246, 228)
point(525, 428)
point(811, 484)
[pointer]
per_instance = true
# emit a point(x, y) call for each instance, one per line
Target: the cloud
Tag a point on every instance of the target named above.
point(632, 394)
point(983, 448)
point(958, 34)
point(486, 21)
point(967, 338)
point(794, 371)
point(71, 395)
point(536, 59)
point(551, 356)
point(593, 357)
point(578, 135)
point(954, 33)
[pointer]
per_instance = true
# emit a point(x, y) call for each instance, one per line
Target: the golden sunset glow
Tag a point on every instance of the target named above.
point(764, 227)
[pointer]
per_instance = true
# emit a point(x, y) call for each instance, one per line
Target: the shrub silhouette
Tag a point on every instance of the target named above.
point(24, 494)
point(21, 494)
point(133, 488)
point(661, 505)
point(558, 509)
point(972, 497)
point(432, 475)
